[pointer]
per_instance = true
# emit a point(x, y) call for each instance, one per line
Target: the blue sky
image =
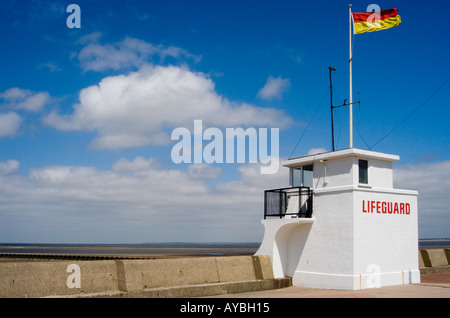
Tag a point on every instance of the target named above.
point(72, 171)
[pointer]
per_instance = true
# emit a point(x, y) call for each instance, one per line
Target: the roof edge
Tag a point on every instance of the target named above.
point(349, 152)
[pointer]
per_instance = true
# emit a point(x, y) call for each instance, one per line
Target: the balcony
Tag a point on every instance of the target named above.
point(296, 202)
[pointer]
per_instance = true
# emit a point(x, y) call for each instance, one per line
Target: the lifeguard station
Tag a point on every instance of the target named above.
point(341, 224)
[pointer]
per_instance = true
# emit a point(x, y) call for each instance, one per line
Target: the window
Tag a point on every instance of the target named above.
point(302, 176)
point(308, 176)
point(297, 177)
point(363, 169)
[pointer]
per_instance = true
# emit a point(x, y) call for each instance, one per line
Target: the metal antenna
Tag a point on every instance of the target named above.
point(331, 106)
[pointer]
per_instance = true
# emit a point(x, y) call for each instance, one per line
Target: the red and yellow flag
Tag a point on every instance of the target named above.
point(375, 21)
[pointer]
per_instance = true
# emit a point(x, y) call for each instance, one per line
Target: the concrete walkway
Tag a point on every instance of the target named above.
point(431, 286)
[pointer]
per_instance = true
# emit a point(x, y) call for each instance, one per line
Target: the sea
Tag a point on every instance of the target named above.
point(169, 248)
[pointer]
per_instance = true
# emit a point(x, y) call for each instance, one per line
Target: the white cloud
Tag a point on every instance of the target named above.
point(137, 109)
point(315, 151)
point(24, 99)
point(51, 67)
point(135, 201)
point(274, 88)
point(123, 55)
point(93, 37)
point(9, 124)
point(138, 164)
point(432, 181)
point(8, 167)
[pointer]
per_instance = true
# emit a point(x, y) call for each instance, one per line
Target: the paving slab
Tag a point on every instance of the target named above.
point(431, 286)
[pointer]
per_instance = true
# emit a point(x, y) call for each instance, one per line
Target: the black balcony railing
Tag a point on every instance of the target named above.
point(295, 201)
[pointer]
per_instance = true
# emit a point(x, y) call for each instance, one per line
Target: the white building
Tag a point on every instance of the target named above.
point(341, 224)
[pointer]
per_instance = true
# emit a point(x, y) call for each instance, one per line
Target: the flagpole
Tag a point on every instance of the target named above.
point(350, 72)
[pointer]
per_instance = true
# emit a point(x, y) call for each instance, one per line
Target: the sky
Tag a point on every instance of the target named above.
point(86, 114)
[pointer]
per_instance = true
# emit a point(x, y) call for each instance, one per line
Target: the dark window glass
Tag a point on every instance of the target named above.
point(363, 175)
point(297, 177)
point(308, 176)
point(302, 176)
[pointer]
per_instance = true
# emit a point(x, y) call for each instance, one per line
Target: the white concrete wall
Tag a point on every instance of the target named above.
point(283, 241)
point(345, 172)
point(327, 258)
point(347, 248)
point(379, 175)
point(386, 244)
point(334, 173)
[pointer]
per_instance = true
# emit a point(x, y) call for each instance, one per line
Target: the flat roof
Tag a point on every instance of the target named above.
point(349, 152)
